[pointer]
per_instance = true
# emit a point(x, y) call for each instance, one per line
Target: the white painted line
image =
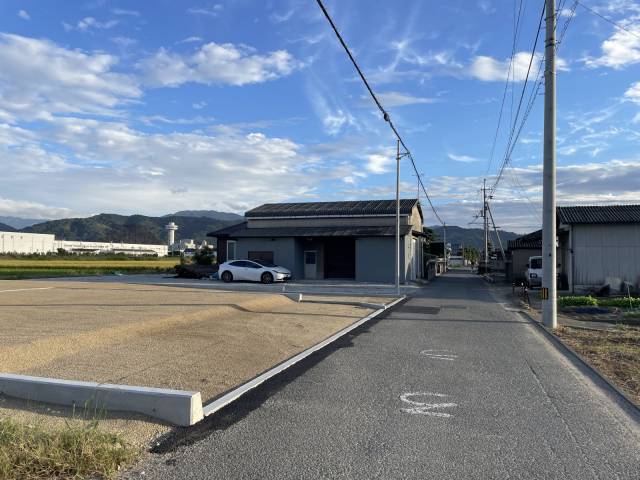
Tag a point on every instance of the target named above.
point(423, 408)
point(439, 356)
point(178, 407)
point(236, 393)
point(26, 289)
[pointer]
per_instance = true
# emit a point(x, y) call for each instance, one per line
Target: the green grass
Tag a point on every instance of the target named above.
point(620, 302)
point(30, 452)
point(17, 268)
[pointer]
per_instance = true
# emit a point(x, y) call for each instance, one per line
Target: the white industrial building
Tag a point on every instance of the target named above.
point(29, 243)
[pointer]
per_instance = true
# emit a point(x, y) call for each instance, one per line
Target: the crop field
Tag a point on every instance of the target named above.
point(17, 268)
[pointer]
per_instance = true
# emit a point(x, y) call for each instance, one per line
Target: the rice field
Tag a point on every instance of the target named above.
point(18, 268)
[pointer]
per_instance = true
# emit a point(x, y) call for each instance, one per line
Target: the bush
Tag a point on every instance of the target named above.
point(620, 302)
point(577, 301)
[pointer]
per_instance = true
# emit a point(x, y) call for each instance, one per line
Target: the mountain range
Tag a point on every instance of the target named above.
point(195, 224)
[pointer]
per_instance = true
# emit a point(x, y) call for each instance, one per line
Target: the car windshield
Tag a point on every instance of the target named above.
point(536, 263)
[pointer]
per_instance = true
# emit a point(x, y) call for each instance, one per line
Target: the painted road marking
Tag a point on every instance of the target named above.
point(26, 289)
point(439, 356)
point(424, 408)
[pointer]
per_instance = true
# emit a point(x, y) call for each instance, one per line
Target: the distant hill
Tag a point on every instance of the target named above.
point(473, 237)
point(19, 222)
point(225, 216)
point(6, 228)
point(108, 227)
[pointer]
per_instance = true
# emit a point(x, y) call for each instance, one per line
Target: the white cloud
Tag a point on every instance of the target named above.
point(485, 6)
point(90, 23)
point(633, 92)
point(38, 78)
point(27, 209)
point(124, 42)
point(211, 12)
point(462, 158)
point(489, 69)
point(378, 163)
point(621, 49)
point(123, 12)
point(190, 40)
point(23, 14)
point(216, 64)
point(398, 99)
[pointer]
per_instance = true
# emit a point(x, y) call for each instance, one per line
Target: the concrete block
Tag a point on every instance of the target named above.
point(177, 407)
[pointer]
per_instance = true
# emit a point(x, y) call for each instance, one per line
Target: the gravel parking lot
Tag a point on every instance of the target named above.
point(159, 336)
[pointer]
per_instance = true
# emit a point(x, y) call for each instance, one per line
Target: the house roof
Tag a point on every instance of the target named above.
point(530, 240)
point(241, 231)
point(333, 209)
point(599, 214)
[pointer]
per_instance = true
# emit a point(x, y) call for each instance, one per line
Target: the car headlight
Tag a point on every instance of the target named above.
point(533, 275)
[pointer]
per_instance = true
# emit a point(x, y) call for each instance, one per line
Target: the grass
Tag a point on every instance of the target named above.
point(615, 353)
point(14, 268)
point(30, 452)
point(619, 302)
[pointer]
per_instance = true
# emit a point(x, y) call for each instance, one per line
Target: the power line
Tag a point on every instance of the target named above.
point(385, 114)
point(612, 22)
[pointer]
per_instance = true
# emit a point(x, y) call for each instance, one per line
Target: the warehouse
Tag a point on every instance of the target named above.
point(26, 243)
point(330, 240)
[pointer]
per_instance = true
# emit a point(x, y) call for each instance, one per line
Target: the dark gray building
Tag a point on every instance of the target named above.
point(330, 240)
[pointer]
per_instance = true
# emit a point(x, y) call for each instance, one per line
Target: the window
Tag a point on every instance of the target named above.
point(252, 265)
point(237, 264)
point(310, 258)
point(231, 250)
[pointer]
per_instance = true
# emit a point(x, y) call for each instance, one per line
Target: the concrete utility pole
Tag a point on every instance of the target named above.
point(398, 218)
point(495, 229)
point(444, 235)
point(548, 293)
point(486, 225)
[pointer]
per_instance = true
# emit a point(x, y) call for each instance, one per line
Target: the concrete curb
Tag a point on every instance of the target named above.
point(237, 392)
point(621, 398)
point(174, 406)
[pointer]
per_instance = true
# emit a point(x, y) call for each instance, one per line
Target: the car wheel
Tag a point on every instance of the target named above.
point(227, 277)
point(266, 277)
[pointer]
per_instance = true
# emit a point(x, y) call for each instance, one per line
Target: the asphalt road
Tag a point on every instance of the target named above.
point(449, 385)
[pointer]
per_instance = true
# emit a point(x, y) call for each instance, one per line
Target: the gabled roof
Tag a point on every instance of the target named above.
point(530, 240)
point(241, 231)
point(599, 214)
point(333, 209)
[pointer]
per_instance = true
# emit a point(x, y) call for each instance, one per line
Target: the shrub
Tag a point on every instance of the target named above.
point(620, 302)
point(577, 301)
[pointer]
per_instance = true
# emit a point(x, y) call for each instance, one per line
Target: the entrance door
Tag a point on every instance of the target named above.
point(310, 264)
point(340, 257)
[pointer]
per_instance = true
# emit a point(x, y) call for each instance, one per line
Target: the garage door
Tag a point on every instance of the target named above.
point(261, 257)
point(340, 257)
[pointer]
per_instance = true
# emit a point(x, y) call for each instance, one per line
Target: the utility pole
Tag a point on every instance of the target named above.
point(486, 225)
point(398, 218)
point(444, 234)
point(495, 229)
point(548, 293)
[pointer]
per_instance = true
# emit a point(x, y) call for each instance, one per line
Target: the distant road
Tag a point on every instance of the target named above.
point(450, 385)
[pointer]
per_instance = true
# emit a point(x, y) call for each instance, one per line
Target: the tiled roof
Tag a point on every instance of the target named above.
point(530, 240)
point(331, 209)
point(241, 231)
point(599, 214)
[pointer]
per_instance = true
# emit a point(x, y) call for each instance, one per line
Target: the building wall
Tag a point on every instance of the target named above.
point(375, 259)
point(601, 251)
point(285, 251)
point(519, 260)
point(77, 246)
point(25, 243)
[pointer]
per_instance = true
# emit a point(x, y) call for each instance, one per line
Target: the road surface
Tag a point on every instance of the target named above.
point(451, 385)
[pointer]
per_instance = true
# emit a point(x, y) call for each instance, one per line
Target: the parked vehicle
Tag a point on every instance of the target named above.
point(533, 273)
point(249, 270)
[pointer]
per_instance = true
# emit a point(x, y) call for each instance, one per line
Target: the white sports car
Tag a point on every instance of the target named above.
point(264, 272)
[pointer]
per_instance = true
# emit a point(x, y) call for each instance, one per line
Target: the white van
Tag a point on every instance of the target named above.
point(534, 272)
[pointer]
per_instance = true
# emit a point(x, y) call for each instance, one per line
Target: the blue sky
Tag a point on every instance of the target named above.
point(156, 106)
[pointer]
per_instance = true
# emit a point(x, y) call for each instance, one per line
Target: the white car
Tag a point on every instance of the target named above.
point(534, 272)
point(264, 272)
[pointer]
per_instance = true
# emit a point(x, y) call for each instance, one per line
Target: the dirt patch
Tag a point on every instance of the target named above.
point(157, 336)
point(615, 353)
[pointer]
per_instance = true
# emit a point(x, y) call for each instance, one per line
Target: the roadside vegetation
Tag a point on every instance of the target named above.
point(615, 353)
point(39, 266)
point(618, 302)
point(30, 452)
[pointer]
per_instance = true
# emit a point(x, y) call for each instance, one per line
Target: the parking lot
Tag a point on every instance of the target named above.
point(169, 336)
